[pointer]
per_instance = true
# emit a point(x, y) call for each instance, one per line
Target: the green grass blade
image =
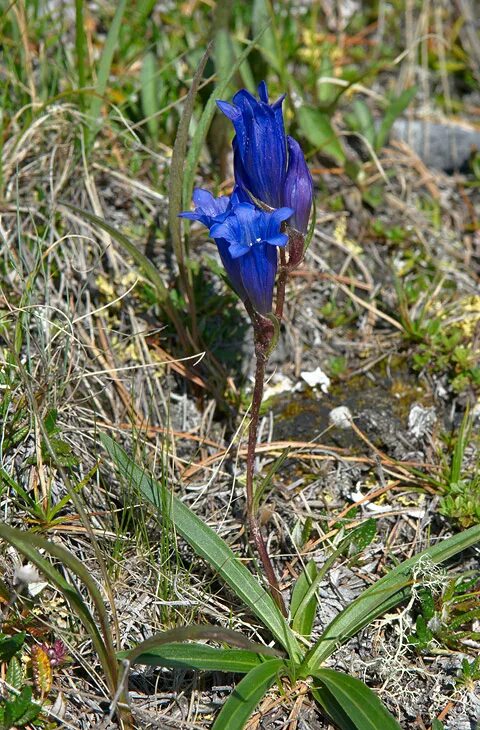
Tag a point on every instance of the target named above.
point(246, 696)
point(357, 701)
point(105, 64)
point(210, 633)
point(205, 121)
point(30, 545)
point(175, 186)
point(303, 611)
point(81, 51)
point(274, 468)
point(384, 595)
point(209, 546)
point(197, 656)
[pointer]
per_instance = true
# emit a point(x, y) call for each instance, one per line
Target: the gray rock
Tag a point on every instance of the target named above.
point(445, 145)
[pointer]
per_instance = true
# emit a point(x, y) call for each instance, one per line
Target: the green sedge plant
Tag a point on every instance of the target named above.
point(347, 701)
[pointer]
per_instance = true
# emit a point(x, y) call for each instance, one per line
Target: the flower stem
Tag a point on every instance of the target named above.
point(281, 285)
point(262, 335)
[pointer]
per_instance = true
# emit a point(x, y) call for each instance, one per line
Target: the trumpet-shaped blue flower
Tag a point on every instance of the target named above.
point(253, 237)
point(267, 163)
point(259, 146)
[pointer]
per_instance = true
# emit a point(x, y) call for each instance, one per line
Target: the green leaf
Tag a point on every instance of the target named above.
point(326, 91)
point(197, 656)
point(332, 708)
point(14, 676)
point(31, 712)
point(437, 725)
point(20, 704)
point(317, 128)
point(262, 15)
point(247, 694)
point(9, 645)
point(395, 108)
point(363, 535)
point(30, 545)
point(105, 64)
point(209, 546)
point(185, 633)
point(148, 92)
point(303, 615)
point(382, 596)
point(361, 121)
point(358, 703)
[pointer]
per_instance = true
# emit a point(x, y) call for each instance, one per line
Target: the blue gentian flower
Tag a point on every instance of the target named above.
point(260, 149)
point(266, 163)
point(253, 237)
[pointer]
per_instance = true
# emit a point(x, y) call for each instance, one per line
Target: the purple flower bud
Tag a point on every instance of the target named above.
point(298, 190)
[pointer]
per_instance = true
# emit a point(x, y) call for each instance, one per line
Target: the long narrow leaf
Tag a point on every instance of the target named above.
point(175, 183)
point(384, 595)
point(30, 545)
point(197, 656)
point(332, 708)
point(246, 696)
point(209, 546)
point(303, 611)
point(81, 50)
point(105, 64)
point(356, 700)
point(211, 633)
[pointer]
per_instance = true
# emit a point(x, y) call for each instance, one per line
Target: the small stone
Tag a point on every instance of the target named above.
point(316, 377)
point(421, 421)
point(341, 417)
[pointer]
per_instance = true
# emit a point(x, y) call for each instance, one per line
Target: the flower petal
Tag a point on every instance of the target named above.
point(208, 210)
point(232, 268)
point(280, 239)
point(258, 269)
point(229, 110)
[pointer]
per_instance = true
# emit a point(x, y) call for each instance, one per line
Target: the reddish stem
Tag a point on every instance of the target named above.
point(263, 334)
point(281, 285)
